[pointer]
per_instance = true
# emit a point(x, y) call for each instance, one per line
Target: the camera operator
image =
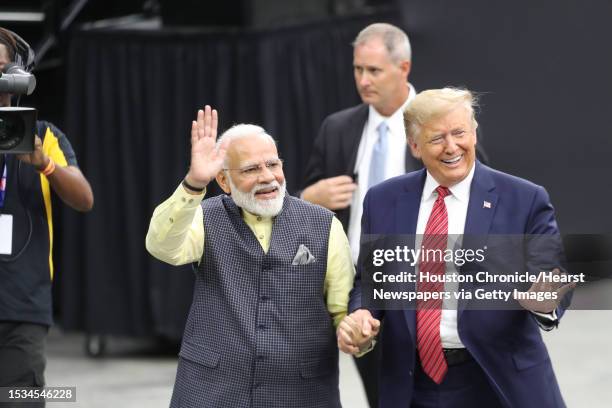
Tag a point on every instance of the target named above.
point(26, 268)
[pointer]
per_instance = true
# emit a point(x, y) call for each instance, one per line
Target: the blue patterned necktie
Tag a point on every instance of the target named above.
point(378, 160)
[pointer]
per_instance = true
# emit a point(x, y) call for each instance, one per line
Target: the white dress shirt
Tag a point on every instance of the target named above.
point(395, 166)
point(456, 208)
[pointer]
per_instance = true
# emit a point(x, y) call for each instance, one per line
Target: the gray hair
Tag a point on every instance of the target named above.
point(435, 103)
point(395, 40)
point(241, 131)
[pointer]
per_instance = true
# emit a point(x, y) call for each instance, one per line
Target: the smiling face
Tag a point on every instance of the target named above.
point(447, 146)
point(254, 175)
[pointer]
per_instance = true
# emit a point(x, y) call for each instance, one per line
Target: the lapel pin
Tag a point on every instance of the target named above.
point(486, 204)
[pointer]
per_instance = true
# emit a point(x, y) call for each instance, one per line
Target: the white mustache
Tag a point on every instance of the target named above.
point(265, 186)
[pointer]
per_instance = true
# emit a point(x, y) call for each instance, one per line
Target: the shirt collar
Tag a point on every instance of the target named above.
point(460, 191)
point(396, 119)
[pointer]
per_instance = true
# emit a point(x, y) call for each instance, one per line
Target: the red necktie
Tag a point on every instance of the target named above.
point(429, 312)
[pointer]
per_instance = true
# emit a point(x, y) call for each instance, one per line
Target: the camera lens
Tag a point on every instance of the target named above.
point(11, 131)
point(17, 129)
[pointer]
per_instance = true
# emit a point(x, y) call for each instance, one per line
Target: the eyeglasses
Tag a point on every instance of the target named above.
point(256, 170)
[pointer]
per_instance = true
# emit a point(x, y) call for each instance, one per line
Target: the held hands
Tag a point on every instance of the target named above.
point(206, 160)
point(356, 331)
point(334, 193)
point(37, 158)
point(546, 305)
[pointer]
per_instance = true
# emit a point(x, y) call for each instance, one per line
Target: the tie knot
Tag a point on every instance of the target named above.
point(442, 192)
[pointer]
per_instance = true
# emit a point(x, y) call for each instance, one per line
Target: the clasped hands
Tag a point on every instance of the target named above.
point(356, 331)
point(333, 193)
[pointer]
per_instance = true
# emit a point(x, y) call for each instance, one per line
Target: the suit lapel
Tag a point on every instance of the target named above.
point(408, 203)
point(352, 137)
point(481, 209)
point(483, 202)
point(406, 216)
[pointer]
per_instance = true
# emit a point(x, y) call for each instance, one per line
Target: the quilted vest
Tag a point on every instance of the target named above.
point(258, 333)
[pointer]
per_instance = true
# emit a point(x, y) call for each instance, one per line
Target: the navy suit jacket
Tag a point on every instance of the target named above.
point(506, 343)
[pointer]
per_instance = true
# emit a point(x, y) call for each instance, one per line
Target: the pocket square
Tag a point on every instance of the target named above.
point(303, 256)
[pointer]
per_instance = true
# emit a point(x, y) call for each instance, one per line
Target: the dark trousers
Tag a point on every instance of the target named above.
point(464, 386)
point(22, 357)
point(369, 371)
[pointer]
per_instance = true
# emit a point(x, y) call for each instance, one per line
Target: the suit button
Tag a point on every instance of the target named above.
point(261, 327)
point(410, 373)
point(260, 357)
point(264, 298)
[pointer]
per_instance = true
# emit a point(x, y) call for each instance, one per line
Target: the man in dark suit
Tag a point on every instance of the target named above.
point(458, 356)
point(343, 148)
point(347, 157)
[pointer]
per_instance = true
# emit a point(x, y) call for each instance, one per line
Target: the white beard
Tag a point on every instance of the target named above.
point(264, 208)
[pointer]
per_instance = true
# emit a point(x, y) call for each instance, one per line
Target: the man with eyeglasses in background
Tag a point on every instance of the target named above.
point(272, 282)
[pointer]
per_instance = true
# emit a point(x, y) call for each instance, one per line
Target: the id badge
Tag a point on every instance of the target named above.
point(6, 234)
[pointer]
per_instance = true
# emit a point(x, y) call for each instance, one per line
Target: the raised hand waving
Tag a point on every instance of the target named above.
point(206, 159)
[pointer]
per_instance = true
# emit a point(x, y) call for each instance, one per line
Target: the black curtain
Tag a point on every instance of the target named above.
point(131, 98)
point(543, 74)
point(542, 68)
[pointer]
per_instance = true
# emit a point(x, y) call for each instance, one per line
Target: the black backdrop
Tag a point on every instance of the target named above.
point(543, 70)
point(132, 96)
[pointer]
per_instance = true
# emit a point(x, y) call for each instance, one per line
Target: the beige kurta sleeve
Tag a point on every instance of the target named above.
point(176, 230)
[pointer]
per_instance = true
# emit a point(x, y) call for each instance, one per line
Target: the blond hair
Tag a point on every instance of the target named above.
point(434, 103)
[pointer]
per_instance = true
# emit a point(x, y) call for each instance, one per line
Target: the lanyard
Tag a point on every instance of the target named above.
point(3, 184)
